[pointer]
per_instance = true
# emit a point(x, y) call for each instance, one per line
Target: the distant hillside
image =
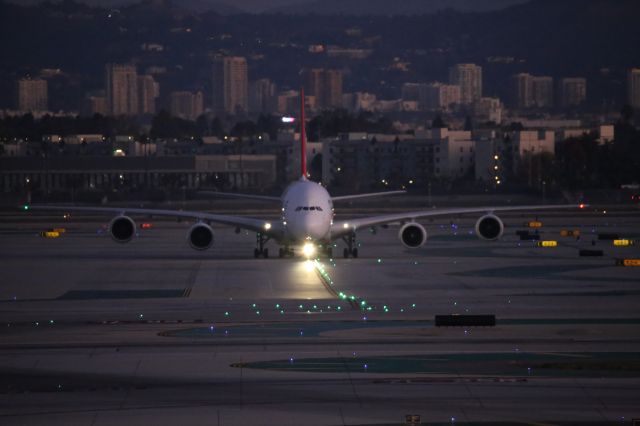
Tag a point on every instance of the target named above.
point(318, 7)
point(595, 39)
point(397, 7)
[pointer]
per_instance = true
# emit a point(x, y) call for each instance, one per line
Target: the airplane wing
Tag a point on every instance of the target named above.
point(241, 196)
point(271, 228)
point(370, 194)
point(344, 227)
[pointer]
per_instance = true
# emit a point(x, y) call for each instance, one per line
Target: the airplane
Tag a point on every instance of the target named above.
point(307, 218)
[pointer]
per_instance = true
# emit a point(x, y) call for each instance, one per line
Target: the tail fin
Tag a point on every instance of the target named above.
point(303, 139)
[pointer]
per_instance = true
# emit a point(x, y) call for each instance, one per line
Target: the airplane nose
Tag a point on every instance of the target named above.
point(316, 229)
point(309, 227)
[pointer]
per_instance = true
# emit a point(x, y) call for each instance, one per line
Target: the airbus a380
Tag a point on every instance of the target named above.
point(307, 218)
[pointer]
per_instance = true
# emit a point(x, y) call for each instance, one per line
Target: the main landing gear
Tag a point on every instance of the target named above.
point(285, 251)
point(261, 240)
point(351, 249)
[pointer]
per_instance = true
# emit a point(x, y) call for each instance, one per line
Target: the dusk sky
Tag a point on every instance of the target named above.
point(257, 6)
point(249, 5)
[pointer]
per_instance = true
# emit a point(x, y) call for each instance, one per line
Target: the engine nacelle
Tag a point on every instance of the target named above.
point(412, 235)
point(489, 227)
point(200, 236)
point(122, 229)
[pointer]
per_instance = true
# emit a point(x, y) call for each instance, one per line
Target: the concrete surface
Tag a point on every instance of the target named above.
point(153, 332)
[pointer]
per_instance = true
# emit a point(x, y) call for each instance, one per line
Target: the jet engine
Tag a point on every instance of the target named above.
point(412, 235)
point(122, 229)
point(200, 236)
point(489, 227)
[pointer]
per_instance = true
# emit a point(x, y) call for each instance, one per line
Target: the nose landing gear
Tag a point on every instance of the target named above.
point(285, 251)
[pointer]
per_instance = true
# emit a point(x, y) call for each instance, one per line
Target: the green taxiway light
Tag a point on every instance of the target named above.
point(26, 207)
point(226, 314)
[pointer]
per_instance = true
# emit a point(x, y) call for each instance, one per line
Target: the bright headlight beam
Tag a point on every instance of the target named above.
point(309, 266)
point(308, 250)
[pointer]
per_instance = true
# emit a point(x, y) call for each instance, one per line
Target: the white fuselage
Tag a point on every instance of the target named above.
point(307, 212)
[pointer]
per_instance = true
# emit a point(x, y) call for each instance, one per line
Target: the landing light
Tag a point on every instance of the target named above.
point(308, 250)
point(267, 226)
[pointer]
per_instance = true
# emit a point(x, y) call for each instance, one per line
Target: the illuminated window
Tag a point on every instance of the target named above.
point(298, 209)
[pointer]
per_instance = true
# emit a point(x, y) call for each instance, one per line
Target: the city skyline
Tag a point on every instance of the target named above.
point(177, 56)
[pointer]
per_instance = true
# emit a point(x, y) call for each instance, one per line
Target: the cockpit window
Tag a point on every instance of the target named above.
point(307, 208)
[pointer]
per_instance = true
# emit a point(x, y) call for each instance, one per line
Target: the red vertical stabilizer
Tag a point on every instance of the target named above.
point(303, 138)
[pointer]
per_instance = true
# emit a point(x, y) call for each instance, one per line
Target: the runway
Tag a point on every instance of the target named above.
point(153, 332)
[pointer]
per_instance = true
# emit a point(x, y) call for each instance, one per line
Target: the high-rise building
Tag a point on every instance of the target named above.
point(326, 86)
point(573, 91)
point(488, 109)
point(542, 91)
point(94, 105)
point(332, 95)
point(32, 95)
point(148, 92)
point(262, 96)
point(411, 91)
point(438, 96)
point(230, 83)
point(469, 78)
point(529, 91)
point(186, 105)
point(633, 87)
point(521, 91)
point(122, 89)
point(288, 102)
